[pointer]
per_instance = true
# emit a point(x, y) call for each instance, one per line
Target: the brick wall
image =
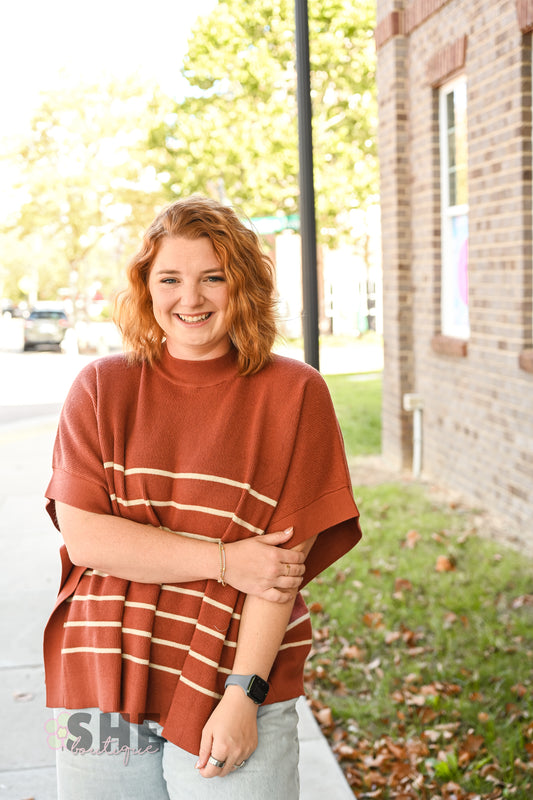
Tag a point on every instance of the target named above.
point(478, 395)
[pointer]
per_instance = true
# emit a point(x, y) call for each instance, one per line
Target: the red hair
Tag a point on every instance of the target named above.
point(249, 274)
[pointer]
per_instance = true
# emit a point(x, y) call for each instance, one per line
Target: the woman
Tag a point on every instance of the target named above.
point(198, 482)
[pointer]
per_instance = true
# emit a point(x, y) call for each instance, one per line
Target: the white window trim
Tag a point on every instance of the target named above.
point(448, 326)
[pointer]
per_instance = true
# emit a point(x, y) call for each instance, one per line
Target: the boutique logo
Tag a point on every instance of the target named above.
point(84, 733)
point(58, 732)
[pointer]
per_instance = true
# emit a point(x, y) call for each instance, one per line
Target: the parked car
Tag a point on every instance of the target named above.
point(45, 326)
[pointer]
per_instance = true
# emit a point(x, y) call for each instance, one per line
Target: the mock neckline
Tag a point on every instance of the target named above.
point(198, 373)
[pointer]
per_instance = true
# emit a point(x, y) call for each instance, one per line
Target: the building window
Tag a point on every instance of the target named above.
point(454, 205)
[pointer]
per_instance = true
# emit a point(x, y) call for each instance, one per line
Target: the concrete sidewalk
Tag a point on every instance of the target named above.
point(30, 581)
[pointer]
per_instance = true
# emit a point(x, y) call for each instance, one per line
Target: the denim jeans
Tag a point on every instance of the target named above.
point(134, 762)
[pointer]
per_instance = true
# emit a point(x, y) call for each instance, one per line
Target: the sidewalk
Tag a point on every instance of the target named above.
point(31, 575)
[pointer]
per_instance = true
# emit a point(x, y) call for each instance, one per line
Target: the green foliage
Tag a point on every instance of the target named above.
point(86, 184)
point(237, 137)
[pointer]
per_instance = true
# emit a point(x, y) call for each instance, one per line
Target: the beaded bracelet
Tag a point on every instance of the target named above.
point(222, 554)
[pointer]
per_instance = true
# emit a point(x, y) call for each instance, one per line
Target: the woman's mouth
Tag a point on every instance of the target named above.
point(193, 319)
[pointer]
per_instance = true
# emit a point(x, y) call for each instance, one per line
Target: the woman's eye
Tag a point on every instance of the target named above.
point(215, 279)
point(168, 280)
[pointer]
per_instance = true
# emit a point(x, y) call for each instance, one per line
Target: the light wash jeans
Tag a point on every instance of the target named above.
point(137, 763)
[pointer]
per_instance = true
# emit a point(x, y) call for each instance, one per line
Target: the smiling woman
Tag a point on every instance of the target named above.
point(190, 298)
point(202, 248)
point(199, 481)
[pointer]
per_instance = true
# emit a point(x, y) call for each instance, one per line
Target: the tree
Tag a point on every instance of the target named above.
point(86, 183)
point(236, 137)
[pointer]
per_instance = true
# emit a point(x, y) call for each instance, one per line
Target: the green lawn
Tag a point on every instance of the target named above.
point(422, 663)
point(357, 400)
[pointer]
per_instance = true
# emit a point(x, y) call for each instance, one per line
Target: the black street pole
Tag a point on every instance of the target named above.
point(307, 189)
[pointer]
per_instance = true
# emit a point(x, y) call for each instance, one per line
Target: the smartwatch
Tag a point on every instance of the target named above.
point(254, 686)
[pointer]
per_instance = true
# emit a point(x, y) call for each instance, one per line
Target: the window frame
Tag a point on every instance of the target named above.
point(450, 327)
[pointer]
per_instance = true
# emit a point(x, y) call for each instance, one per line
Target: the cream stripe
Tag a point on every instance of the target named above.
point(170, 644)
point(203, 659)
point(298, 621)
point(134, 604)
point(201, 689)
point(225, 670)
point(195, 476)
point(96, 597)
point(165, 669)
point(211, 632)
point(90, 624)
point(228, 643)
point(215, 603)
point(168, 615)
point(167, 587)
point(96, 572)
point(143, 661)
point(136, 632)
point(215, 512)
point(296, 644)
point(91, 650)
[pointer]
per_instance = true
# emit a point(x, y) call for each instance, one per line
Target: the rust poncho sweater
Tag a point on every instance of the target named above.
point(195, 448)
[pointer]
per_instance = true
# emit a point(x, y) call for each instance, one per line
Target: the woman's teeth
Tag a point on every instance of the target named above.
point(198, 318)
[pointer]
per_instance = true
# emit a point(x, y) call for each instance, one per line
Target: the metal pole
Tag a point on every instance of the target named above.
point(307, 190)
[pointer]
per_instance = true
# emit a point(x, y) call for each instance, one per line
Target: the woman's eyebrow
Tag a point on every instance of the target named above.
point(169, 271)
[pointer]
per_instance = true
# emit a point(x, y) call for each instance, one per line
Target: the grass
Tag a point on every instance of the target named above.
point(357, 400)
point(423, 649)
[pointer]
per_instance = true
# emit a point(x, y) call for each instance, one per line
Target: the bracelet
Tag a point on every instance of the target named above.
point(222, 554)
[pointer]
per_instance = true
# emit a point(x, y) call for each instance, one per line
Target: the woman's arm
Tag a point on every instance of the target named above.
point(148, 554)
point(230, 734)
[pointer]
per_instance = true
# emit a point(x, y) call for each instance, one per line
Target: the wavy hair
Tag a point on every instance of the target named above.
point(249, 273)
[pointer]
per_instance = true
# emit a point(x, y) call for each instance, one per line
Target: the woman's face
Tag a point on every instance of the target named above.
point(190, 298)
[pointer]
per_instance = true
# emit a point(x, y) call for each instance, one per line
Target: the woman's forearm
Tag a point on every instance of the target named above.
point(261, 630)
point(146, 554)
point(134, 551)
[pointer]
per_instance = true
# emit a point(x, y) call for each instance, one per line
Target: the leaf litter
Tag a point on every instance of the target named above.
point(433, 725)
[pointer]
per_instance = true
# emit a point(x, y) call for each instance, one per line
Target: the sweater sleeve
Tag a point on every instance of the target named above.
point(79, 477)
point(317, 497)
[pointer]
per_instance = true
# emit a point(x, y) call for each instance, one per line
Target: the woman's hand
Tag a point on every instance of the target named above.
point(256, 566)
point(229, 735)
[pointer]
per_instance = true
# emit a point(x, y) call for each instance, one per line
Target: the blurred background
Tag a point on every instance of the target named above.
point(112, 114)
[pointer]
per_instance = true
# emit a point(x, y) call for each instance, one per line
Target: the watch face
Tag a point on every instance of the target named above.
point(258, 689)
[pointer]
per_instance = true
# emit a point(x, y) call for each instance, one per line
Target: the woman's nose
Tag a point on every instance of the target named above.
point(191, 294)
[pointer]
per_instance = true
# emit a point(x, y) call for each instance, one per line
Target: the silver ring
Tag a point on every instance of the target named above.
point(215, 762)
point(238, 766)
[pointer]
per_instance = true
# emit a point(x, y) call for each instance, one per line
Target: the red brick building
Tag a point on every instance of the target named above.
point(455, 145)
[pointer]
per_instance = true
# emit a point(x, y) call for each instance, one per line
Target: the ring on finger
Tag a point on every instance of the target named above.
point(287, 570)
point(238, 766)
point(215, 762)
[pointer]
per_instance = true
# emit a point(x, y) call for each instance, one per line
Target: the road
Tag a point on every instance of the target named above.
point(35, 384)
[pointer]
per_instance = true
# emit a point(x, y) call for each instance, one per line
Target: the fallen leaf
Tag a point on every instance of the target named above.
point(402, 584)
point(353, 652)
point(445, 564)
point(411, 539)
point(373, 619)
point(324, 716)
point(523, 600)
point(22, 697)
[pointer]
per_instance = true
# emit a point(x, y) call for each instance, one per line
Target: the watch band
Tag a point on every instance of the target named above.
point(253, 685)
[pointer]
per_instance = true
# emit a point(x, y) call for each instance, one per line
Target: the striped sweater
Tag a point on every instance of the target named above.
point(197, 449)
